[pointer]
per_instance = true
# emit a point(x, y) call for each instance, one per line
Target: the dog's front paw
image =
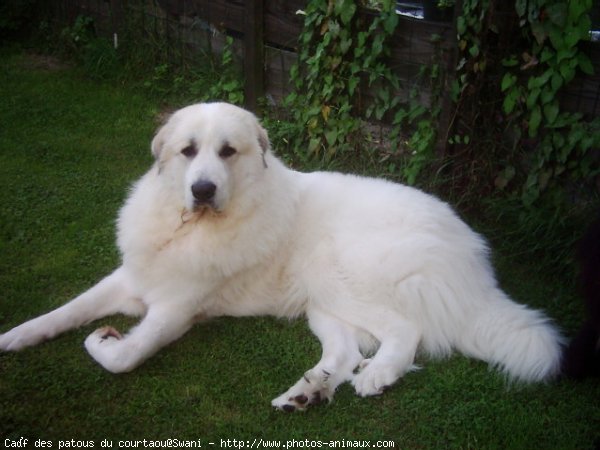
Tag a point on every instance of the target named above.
point(107, 332)
point(311, 389)
point(14, 340)
point(101, 338)
point(25, 335)
point(102, 345)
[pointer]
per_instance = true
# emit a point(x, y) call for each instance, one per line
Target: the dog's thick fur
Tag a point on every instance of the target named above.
point(219, 226)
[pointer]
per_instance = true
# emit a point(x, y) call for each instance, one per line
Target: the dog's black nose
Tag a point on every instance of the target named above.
point(204, 191)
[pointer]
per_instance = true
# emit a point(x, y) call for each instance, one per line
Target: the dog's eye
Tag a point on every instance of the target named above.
point(190, 151)
point(227, 151)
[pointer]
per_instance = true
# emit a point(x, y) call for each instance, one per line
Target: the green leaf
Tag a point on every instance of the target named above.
point(352, 83)
point(577, 8)
point(557, 13)
point(416, 111)
point(390, 23)
point(377, 46)
point(534, 121)
point(539, 32)
point(558, 141)
point(331, 137)
point(547, 54)
point(557, 38)
point(345, 45)
point(533, 97)
point(571, 38)
point(547, 95)
point(551, 111)
point(531, 190)
point(508, 81)
point(565, 119)
point(313, 145)
point(566, 54)
point(346, 10)
point(510, 62)
point(333, 31)
point(510, 101)
point(335, 62)
point(567, 71)
point(556, 82)
point(575, 136)
point(461, 25)
point(291, 98)
point(387, 5)
point(585, 64)
point(400, 116)
point(584, 26)
point(538, 82)
point(362, 39)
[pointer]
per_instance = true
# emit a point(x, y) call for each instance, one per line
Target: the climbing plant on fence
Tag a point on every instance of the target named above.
point(337, 52)
point(545, 56)
point(343, 54)
point(532, 84)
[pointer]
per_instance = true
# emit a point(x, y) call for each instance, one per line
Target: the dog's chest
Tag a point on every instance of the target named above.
point(264, 289)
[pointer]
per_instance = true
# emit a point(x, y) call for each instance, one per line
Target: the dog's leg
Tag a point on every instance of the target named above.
point(399, 339)
point(110, 296)
point(340, 357)
point(163, 324)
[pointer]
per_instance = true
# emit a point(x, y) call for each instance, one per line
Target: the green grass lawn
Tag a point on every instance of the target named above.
point(69, 149)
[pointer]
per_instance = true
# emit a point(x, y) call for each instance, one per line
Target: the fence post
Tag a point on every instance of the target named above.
point(116, 12)
point(254, 53)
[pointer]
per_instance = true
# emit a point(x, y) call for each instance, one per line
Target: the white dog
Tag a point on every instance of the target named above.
point(219, 226)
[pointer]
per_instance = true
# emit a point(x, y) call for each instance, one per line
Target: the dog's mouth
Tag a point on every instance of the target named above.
point(198, 211)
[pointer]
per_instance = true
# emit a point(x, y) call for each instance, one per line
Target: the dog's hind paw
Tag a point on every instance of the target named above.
point(373, 378)
point(311, 389)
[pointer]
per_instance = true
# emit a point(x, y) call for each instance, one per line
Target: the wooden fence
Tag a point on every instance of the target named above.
point(265, 38)
point(265, 34)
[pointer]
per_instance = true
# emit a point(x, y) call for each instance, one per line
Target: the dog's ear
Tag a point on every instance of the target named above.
point(159, 140)
point(265, 144)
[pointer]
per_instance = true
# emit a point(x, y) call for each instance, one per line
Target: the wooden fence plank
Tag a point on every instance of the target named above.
point(254, 54)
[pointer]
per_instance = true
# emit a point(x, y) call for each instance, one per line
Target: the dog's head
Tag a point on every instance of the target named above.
point(211, 152)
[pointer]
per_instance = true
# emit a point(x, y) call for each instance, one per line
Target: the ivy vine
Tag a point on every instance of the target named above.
point(545, 58)
point(344, 52)
point(532, 83)
point(335, 57)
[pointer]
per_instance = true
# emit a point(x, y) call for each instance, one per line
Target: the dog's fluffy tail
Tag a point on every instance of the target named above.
point(518, 341)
